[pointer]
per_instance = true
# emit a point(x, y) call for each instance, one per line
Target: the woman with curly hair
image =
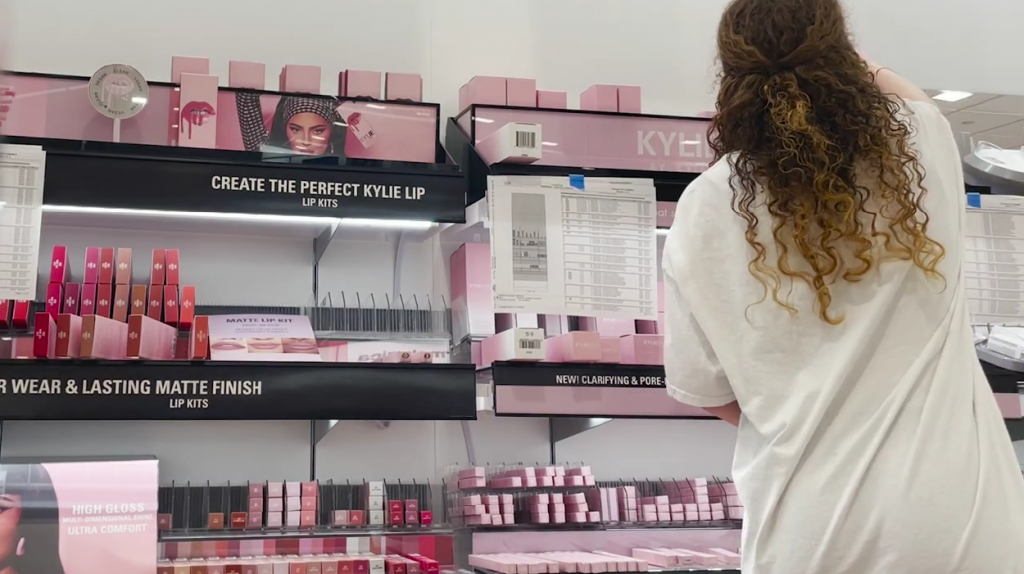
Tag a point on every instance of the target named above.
point(815, 298)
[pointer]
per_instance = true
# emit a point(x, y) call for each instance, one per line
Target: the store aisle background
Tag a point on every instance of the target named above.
point(665, 46)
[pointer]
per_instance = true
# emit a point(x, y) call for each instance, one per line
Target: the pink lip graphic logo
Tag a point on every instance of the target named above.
point(115, 89)
point(195, 114)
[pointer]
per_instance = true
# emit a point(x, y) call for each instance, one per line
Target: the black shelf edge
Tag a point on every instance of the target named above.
point(81, 389)
point(318, 532)
point(192, 179)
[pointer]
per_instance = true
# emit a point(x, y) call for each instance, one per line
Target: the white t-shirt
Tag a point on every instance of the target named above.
point(870, 447)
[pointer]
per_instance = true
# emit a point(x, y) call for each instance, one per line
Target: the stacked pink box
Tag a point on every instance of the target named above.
point(486, 509)
point(627, 504)
point(694, 496)
point(472, 477)
point(656, 509)
point(275, 504)
point(256, 506)
point(725, 496)
point(686, 558)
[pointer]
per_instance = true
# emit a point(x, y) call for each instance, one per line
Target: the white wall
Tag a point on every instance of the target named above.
point(666, 46)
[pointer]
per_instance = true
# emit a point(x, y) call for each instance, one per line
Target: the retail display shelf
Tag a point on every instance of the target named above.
point(77, 389)
point(204, 181)
point(319, 532)
point(612, 526)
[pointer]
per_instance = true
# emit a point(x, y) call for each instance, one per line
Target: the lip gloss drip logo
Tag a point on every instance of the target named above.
point(195, 114)
point(118, 91)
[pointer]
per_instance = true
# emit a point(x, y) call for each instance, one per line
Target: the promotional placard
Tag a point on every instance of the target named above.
point(262, 338)
point(79, 389)
point(585, 390)
point(74, 178)
point(75, 517)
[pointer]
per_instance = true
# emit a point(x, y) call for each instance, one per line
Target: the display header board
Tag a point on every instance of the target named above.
point(224, 186)
point(585, 390)
point(144, 390)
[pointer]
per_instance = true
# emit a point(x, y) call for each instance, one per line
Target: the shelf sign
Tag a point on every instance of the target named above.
point(143, 390)
point(270, 189)
point(585, 390)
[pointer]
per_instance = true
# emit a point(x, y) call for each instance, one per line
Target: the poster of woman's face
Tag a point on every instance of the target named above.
point(325, 126)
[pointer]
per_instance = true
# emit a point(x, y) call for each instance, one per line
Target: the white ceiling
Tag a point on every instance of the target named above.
point(986, 117)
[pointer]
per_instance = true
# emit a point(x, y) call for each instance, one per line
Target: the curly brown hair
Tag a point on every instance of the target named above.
point(800, 117)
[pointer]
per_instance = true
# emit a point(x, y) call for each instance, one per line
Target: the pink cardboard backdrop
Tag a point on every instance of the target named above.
point(125, 537)
point(607, 141)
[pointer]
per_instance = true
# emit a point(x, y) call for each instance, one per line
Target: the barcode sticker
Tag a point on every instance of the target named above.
point(526, 140)
point(529, 344)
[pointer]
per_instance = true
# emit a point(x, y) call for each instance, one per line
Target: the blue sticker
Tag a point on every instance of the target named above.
point(576, 181)
point(974, 200)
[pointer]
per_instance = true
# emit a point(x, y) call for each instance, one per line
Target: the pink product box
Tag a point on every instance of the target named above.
point(247, 75)
point(275, 489)
point(576, 498)
point(472, 499)
point(72, 293)
point(310, 489)
point(150, 339)
point(720, 515)
point(472, 472)
point(292, 488)
point(579, 471)
point(275, 519)
point(574, 347)
point(59, 264)
point(508, 482)
point(300, 79)
point(197, 122)
point(557, 498)
point(552, 100)
point(275, 504)
point(608, 327)
point(544, 471)
point(255, 490)
point(542, 498)
point(513, 345)
point(361, 84)
point(485, 90)
point(484, 519)
point(256, 505)
point(728, 557)
point(600, 98)
point(45, 342)
point(54, 298)
point(292, 518)
point(472, 483)
point(576, 516)
point(188, 65)
point(308, 503)
point(521, 92)
point(643, 349)
point(558, 480)
point(403, 87)
point(307, 518)
point(735, 512)
point(656, 558)
point(520, 472)
point(611, 350)
point(629, 99)
point(472, 297)
point(540, 519)
point(575, 481)
point(473, 510)
point(92, 265)
point(293, 503)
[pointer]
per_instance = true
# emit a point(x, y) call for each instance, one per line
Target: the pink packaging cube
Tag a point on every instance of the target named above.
point(45, 342)
point(403, 87)
point(472, 472)
point(300, 79)
point(643, 350)
point(629, 99)
point(247, 75)
point(608, 327)
point(484, 90)
point(508, 482)
point(600, 98)
point(197, 123)
point(472, 483)
point(521, 92)
point(573, 347)
point(552, 100)
point(362, 84)
point(188, 65)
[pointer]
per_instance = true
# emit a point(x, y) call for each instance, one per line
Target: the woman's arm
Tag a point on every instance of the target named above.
point(250, 120)
point(729, 413)
point(894, 84)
